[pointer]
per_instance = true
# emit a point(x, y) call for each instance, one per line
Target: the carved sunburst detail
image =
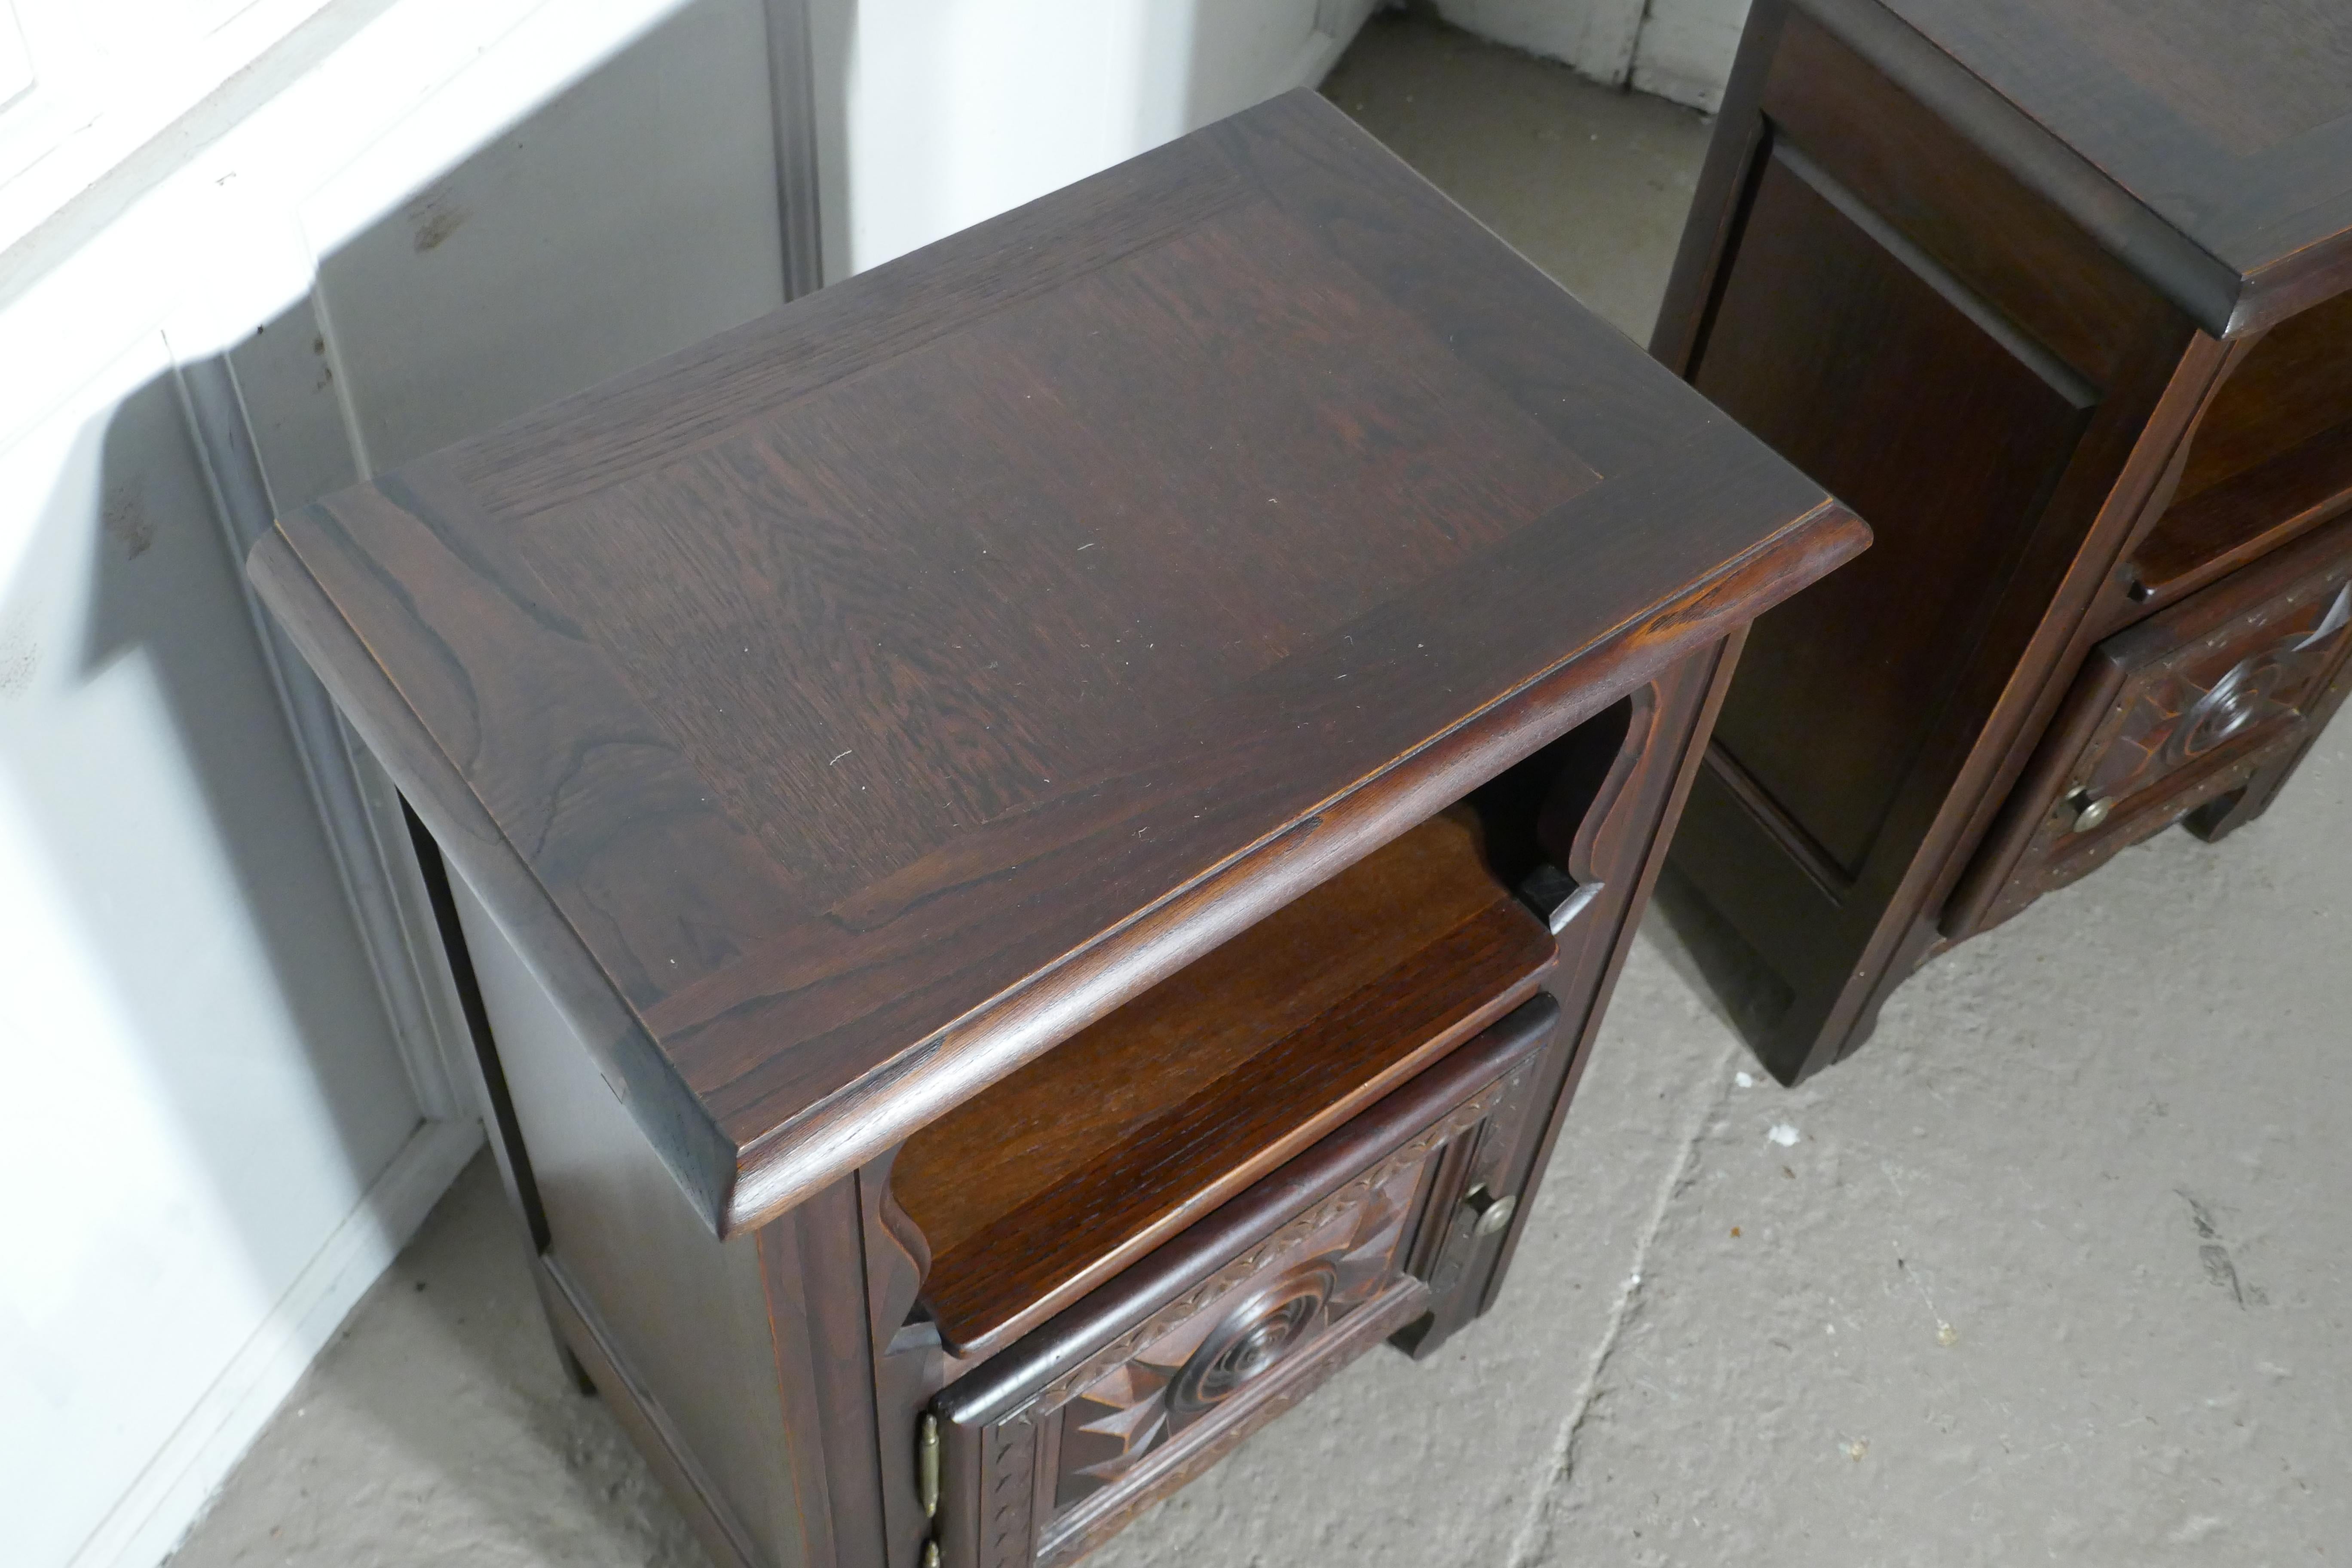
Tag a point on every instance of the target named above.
point(1133, 1406)
point(1231, 1341)
point(2186, 707)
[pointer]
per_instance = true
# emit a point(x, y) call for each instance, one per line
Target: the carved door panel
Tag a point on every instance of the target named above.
point(2170, 714)
point(1052, 1446)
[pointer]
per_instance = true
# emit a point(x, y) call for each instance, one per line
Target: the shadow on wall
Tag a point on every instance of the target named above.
point(202, 1082)
point(633, 215)
point(154, 762)
point(205, 1080)
point(140, 735)
point(212, 1081)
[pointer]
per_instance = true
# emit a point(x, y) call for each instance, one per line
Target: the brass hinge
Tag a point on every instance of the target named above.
point(927, 1464)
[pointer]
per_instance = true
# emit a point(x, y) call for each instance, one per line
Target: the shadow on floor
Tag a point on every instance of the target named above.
point(439, 1428)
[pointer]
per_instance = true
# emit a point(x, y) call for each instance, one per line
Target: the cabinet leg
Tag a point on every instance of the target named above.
point(2225, 813)
point(578, 1374)
point(575, 1370)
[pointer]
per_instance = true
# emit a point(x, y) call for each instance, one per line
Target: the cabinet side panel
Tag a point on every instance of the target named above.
point(683, 1313)
point(2026, 258)
point(1629, 851)
point(1877, 376)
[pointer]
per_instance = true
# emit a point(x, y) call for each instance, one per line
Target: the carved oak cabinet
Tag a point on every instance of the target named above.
point(1038, 839)
point(2057, 294)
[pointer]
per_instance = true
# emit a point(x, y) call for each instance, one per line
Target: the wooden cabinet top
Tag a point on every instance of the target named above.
point(2209, 141)
point(843, 711)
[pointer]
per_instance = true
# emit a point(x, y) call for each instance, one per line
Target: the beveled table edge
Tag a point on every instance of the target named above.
point(2212, 293)
point(740, 1188)
point(699, 1157)
point(860, 1122)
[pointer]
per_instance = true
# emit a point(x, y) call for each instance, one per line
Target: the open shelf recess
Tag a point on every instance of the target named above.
point(2271, 458)
point(1052, 1180)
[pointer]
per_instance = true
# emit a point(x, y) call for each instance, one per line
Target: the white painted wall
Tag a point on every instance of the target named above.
point(1679, 50)
point(85, 84)
point(195, 1107)
point(249, 252)
point(406, 219)
point(1686, 49)
point(938, 113)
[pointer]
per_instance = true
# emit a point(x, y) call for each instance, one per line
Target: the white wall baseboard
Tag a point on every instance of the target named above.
point(1685, 50)
point(1596, 36)
point(171, 1492)
point(1677, 49)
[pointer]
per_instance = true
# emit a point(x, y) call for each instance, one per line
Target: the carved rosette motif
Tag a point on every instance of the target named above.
point(1357, 1191)
point(1113, 1422)
point(2189, 708)
point(1081, 1532)
point(1166, 1381)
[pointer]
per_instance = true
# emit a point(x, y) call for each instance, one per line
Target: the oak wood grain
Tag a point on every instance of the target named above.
point(2271, 457)
point(2185, 706)
point(1005, 1423)
point(2233, 124)
point(845, 711)
point(1050, 1350)
point(1055, 1177)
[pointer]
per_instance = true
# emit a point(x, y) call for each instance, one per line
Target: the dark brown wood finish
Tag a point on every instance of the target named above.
point(1069, 1433)
point(1630, 849)
point(1872, 366)
point(2231, 124)
point(2272, 456)
point(673, 1324)
point(1079, 793)
point(1925, 270)
point(986, 680)
point(2179, 710)
point(1053, 1179)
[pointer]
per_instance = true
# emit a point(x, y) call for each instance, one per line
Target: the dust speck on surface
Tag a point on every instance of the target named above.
point(128, 522)
point(20, 661)
point(434, 220)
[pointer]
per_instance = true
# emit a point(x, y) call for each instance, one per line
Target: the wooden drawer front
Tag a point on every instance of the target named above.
point(2180, 710)
point(1335, 1269)
point(1201, 1344)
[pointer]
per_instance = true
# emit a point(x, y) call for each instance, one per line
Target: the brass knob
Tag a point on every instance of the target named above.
point(2089, 813)
point(1488, 1213)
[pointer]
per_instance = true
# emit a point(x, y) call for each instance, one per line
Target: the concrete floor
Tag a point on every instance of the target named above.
point(1590, 185)
point(2054, 1269)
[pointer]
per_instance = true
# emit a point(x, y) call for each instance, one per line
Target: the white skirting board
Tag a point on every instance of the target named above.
point(171, 1494)
point(1678, 49)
